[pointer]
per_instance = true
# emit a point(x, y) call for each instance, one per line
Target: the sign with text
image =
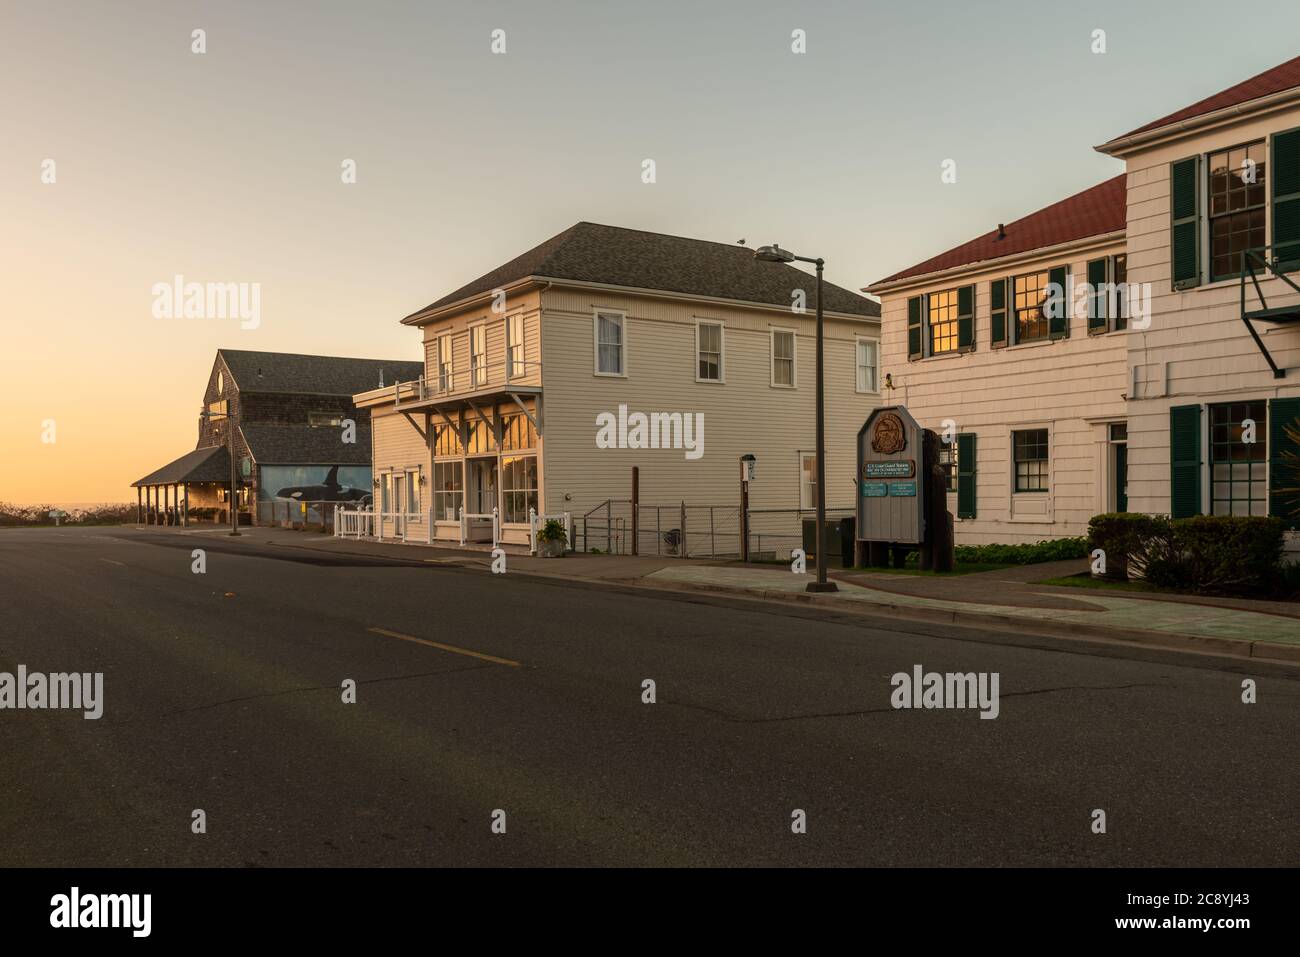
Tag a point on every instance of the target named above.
point(905, 469)
point(892, 478)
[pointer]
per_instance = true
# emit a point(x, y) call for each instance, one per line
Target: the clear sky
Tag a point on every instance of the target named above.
point(226, 166)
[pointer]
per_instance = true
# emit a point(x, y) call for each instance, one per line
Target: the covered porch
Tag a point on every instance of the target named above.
point(194, 487)
point(479, 478)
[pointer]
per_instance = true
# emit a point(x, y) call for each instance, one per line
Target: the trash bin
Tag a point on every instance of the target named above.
point(834, 539)
point(848, 535)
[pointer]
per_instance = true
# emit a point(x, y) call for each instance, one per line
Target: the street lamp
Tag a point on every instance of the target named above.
point(775, 254)
point(234, 494)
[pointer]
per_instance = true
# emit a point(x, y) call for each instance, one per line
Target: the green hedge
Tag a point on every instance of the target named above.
point(1052, 550)
point(1231, 554)
point(1121, 536)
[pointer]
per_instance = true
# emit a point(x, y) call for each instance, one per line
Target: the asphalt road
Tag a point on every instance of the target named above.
point(222, 692)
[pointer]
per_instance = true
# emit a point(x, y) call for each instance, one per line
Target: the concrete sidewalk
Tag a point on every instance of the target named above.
point(1006, 597)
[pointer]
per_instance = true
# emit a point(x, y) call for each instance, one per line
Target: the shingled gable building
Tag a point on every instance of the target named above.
point(537, 376)
point(1173, 400)
point(289, 414)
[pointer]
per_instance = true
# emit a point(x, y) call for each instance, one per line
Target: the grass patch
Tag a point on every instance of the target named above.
point(961, 569)
point(1087, 581)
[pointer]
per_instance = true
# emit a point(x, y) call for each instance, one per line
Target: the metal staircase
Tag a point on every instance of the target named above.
point(1276, 266)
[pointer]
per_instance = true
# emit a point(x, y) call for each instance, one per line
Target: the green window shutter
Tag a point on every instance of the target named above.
point(966, 475)
point(1185, 222)
point(998, 313)
point(966, 318)
point(914, 328)
point(1058, 324)
point(1097, 304)
point(1284, 459)
point(1285, 173)
point(1185, 461)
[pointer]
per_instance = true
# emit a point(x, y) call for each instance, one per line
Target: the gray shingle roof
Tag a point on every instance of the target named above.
point(589, 252)
point(317, 375)
point(210, 464)
point(303, 445)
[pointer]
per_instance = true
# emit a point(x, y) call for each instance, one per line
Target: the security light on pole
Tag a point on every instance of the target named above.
point(775, 254)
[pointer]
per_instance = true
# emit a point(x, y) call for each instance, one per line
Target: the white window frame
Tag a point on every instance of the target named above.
point(799, 459)
point(478, 360)
point(1047, 462)
point(794, 357)
point(412, 493)
point(595, 342)
point(447, 380)
point(857, 367)
point(722, 350)
point(515, 358)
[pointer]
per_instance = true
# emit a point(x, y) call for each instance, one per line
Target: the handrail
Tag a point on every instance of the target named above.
point(1249, 259)
point(462, 381)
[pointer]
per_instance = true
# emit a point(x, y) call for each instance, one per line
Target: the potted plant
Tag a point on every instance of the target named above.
point(552, 540)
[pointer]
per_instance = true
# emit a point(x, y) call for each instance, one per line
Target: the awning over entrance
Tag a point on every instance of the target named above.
point(211, 464)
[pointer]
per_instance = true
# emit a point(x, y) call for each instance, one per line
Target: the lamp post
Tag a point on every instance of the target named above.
point(775, 254)
point(230, 445)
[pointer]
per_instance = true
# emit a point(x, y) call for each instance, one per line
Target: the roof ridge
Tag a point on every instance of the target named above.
point(1053, 232)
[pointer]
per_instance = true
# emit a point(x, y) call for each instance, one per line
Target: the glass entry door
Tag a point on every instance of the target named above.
point(398, 503)
point(481, 496)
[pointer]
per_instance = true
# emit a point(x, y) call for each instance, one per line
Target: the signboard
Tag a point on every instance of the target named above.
point(246, 466)
point(904, 469)
point(891, 487)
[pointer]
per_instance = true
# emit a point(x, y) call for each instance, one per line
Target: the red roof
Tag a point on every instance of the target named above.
point(1094, 212)
point(1276, 80)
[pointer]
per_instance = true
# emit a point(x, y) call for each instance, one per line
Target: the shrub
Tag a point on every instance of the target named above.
point(552, 531)
point(1052, 550)
point(1122, 536)
point(1233, 554)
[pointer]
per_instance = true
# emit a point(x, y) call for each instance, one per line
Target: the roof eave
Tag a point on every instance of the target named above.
point(983, 265)
point(1123, 146)
point(695, 297)
point(422, 317)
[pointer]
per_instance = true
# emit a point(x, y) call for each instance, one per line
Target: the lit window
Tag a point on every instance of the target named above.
point(943, 321)
point(1030, 296)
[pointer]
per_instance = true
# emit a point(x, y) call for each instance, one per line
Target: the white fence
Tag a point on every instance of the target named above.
point(536, 521)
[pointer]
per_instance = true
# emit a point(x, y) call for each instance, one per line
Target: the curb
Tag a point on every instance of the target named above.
point(1273, 652)
point(1270, 651)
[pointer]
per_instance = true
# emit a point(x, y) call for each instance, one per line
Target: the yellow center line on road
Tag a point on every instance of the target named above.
point(452, 648)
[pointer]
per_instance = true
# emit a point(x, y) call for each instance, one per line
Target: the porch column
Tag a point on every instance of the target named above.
point(167, 504)
point(185, 514)
point(139, 506)
point(148, 504)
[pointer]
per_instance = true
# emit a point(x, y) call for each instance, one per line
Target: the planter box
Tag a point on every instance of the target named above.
point(551, 549)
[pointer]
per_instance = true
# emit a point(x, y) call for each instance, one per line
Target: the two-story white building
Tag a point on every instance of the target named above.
point(1174, 395)
point(549, 378)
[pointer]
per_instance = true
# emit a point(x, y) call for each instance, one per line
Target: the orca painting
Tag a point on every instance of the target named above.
point(353, 486)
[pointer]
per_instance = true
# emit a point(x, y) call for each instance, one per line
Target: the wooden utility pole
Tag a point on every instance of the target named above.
point(636, 506)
